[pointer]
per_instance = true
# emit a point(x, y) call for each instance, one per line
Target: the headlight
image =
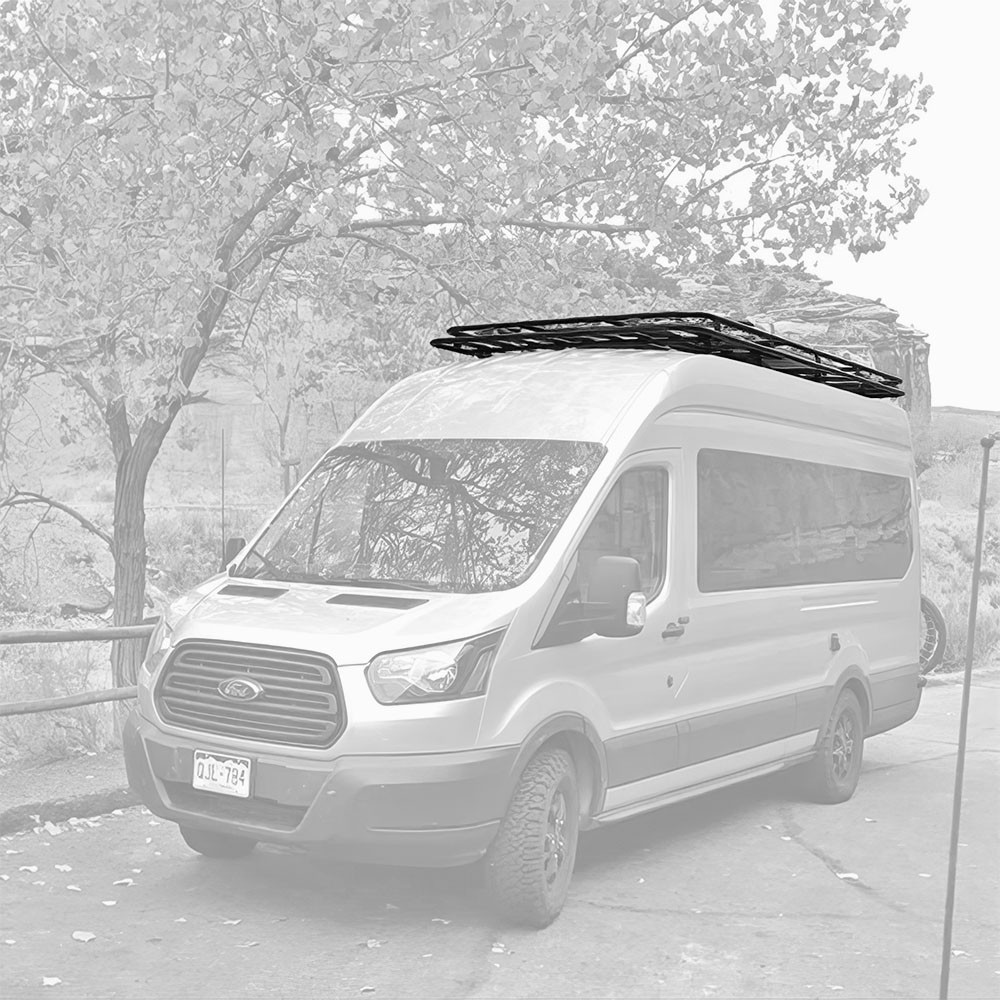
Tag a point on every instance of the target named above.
point(160, 641)
point(434, 673)
point(156, 649)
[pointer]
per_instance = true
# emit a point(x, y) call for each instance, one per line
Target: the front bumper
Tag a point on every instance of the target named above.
point(435, 809)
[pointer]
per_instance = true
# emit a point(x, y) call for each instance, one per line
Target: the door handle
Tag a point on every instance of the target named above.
point(675, 628)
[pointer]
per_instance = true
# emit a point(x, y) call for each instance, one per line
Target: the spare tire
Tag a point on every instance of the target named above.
point(934, 636)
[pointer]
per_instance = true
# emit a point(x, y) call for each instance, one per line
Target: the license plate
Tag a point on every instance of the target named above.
point(214, 772)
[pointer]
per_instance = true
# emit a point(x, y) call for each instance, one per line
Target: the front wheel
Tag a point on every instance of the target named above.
point(832, 775)
point(216, 845)
point(530, 863)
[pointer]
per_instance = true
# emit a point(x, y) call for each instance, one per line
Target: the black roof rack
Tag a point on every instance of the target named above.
point(690, 332)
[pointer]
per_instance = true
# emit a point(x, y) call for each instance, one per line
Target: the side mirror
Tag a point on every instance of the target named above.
point(616, 584)
point(616, 607)
point(234, 546)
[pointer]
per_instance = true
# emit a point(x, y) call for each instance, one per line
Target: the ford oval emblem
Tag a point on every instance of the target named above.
point(240, 689)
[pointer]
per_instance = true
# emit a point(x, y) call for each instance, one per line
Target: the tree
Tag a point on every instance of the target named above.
point(161, 162)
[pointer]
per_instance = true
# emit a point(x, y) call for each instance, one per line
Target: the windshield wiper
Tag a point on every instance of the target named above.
point(370, 581)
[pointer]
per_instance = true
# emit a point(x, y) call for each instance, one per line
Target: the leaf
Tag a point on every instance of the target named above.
point(28, 868)
point(373, 943)
point(232, 923)
point(64, 868)
point(51, 980)
point(109, 902)
point(74, 888)
point(83, 936)
point(124, 881)
point(848, 876)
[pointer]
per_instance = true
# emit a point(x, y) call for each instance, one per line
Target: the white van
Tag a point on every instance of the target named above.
point(609, 564)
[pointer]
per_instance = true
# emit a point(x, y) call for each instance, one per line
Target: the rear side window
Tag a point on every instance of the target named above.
point(775, 522)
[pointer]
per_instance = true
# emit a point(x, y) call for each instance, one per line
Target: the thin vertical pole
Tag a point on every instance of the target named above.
point(963, 727)
point(222, 491)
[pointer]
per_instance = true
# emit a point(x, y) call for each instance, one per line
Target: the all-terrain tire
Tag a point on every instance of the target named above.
point(530, 863)
point(216, 845)
point(934, 636)
point(832, 775)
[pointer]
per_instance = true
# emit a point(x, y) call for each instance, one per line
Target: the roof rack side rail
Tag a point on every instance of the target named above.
point(689, 332)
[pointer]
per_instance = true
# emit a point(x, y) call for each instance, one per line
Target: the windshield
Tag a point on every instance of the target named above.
point(457, 515)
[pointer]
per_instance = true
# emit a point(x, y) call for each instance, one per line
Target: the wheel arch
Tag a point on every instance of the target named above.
point(577, 736)
point(853, 679)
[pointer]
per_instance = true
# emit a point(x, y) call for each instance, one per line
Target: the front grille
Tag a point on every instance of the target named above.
point(300, 704)
point(259, 812)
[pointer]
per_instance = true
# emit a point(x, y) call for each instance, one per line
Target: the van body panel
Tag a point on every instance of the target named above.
point(619, 685)
point(499, 397)
point(775, 754)
point(304, 617)
point(432, 810)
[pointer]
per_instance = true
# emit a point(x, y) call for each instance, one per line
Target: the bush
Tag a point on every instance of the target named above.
point(39, 670)
point(955, 483)
point(185, 546)
point(948, 544)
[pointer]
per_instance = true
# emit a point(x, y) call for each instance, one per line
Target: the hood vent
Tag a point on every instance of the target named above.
point(373, 601)
point(241, 590)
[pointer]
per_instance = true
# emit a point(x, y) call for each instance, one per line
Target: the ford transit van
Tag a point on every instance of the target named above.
point(598, 566)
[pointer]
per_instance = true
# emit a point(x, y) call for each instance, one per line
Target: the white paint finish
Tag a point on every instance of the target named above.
point(584, 395)
point(842, 604)
point(557, 395)
point(639, 796)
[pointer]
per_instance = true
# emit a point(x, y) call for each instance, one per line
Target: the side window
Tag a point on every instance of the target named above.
point(632, 521)
point(773, 522)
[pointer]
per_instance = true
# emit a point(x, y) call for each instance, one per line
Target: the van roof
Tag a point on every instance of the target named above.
point(583, 395)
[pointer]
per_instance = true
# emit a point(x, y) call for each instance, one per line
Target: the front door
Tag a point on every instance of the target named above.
point(631, 676)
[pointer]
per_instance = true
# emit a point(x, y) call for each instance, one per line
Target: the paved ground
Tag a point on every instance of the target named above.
point(736, 895)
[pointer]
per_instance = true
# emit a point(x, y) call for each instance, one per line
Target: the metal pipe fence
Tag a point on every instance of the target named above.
point(25, 636)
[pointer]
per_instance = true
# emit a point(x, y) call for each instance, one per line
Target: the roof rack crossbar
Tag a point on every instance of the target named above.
point(689, 332)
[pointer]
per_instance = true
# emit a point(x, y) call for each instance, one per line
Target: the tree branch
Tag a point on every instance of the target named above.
point(766, 210)
point(701, 192)
point(97, 95)
point(638, 47)
point(23, 498)
point(239, 226)
point(451, 289)
point(542, 225)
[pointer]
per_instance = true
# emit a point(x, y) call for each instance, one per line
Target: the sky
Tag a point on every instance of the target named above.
point(941, 271)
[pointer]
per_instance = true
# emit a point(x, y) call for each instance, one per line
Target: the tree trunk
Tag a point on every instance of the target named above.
point(130, 556)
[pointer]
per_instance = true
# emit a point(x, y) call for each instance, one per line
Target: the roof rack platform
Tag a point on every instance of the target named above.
point(689, 332)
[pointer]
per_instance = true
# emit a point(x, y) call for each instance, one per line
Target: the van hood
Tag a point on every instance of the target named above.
point(349, 624)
